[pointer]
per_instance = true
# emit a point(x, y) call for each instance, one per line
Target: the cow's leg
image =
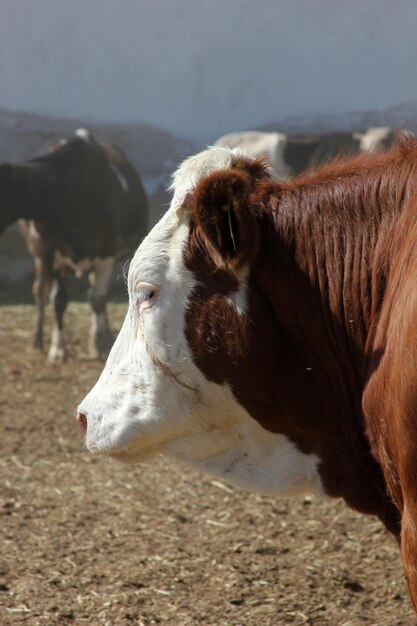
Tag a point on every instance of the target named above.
point(41, 289)
point(101, 337)
point(409, 547)
point(407, 477)
point(59, 298)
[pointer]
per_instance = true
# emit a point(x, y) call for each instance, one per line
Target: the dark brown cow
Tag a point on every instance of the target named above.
point(271, 337)
point(84, 208)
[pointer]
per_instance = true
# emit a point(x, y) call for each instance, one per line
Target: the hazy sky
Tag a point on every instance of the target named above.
point(200, 68)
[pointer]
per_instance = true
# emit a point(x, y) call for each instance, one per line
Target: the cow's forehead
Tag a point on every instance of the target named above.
point(152, 257)
point(163, 245)
point(193, 169)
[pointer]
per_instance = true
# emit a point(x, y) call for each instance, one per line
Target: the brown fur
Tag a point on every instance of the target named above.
point(327, 352)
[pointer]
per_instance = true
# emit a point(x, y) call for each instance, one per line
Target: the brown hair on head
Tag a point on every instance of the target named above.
point(257, 169)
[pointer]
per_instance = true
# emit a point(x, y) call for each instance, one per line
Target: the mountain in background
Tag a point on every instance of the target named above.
point(156, 153)
point(398, 116)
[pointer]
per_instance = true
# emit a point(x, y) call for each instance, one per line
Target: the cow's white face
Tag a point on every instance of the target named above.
point(154, 395)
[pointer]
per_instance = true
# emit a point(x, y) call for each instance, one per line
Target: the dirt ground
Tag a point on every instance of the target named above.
point(87, 541)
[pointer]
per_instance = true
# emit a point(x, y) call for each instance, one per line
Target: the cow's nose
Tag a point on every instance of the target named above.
point(82, 422)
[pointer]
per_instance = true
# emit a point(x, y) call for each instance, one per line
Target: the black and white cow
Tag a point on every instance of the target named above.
point(375, 138)
point(290, 154)
point(82, 207)
point(257, 143)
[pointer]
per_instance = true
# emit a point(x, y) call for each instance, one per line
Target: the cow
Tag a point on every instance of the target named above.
point(312, 150)
point(375, 138)
point(291, 154)
point(258, 143)
point(82, 207)
point(271, 335)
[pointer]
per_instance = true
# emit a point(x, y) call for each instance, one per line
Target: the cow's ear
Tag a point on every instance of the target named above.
point(225, 219)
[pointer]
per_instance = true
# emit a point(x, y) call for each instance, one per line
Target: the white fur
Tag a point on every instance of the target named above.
point(58, 349)
point(152, 398)
point(256, 143)
point(196, 167)
point(371, 140)
point(83, 134)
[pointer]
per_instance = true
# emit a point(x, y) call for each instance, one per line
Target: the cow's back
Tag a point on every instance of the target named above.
point(256, 144)
point(95, 200)
point(132, 202)
point(309, 151)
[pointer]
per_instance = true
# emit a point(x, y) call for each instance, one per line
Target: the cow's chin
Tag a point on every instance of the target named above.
point(132, 456)
point(132, 452)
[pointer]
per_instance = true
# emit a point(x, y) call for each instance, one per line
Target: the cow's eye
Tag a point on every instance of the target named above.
point(145, 295)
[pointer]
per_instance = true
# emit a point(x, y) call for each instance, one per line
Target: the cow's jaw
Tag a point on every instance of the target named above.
point(231, 445)
point(132, 417)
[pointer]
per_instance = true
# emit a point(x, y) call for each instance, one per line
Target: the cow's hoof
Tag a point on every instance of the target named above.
point(56, 356)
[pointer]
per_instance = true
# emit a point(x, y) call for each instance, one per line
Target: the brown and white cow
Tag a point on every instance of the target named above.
point(84, 207)
point(271, 336)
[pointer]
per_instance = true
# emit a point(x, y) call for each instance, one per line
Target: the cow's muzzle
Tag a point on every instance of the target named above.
point(82, 422)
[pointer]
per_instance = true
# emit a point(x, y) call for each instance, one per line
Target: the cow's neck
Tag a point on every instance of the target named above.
point(316, 271)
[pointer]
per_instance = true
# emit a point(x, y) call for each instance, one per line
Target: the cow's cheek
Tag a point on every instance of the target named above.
point(217, 335)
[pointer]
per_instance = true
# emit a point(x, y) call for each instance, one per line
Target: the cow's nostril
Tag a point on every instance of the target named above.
point(82, 422)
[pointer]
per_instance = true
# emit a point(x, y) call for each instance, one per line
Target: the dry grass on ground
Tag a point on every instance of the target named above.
point(88, 541)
